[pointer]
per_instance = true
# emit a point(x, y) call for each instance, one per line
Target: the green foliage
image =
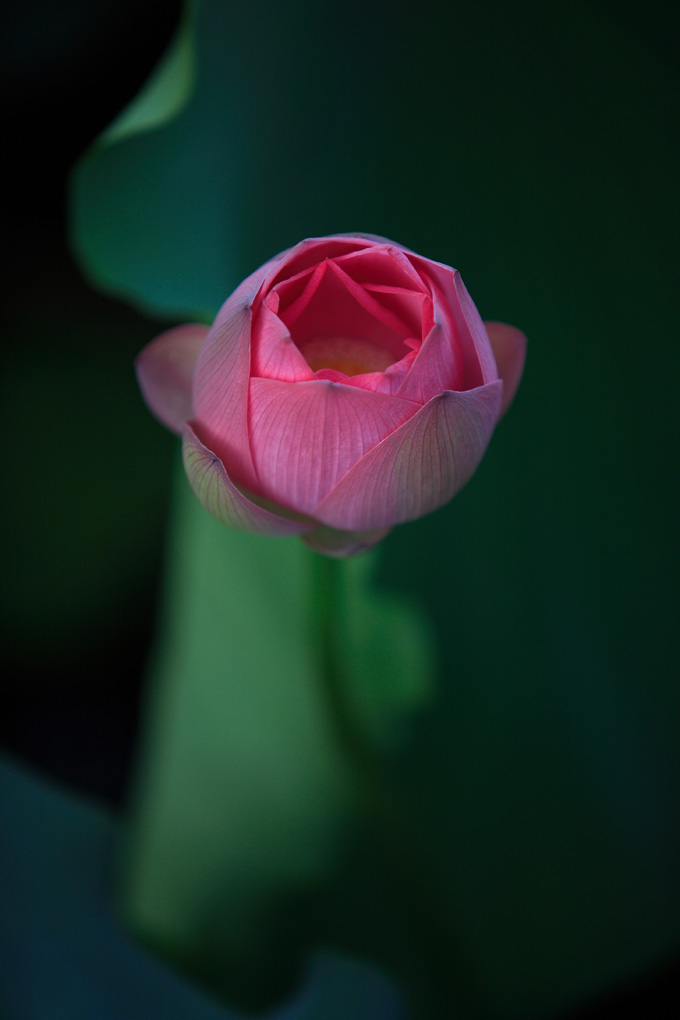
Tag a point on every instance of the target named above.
point(165, 94)
point(245, 797)
point(69, 956)
point(159, 180)
point(86, 475)
point(386, 653)
point(542, 779)
point(243, 791)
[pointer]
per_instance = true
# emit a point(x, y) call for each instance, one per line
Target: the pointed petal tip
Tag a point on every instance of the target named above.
point(418, 467)
point(165, 368)
point(222, 499)
point(509, 346)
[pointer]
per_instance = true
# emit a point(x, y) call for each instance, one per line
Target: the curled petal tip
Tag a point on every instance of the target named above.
point(164, 371)
point(223, 499)
point(509, 346)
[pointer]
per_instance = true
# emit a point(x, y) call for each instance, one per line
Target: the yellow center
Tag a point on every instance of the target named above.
point(353, 357)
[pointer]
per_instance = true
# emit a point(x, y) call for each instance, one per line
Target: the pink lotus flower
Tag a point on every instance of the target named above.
point(346, 386)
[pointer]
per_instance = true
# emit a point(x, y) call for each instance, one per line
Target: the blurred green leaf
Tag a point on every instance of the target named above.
point(65, 955)
point(154, 202)
point(387, 651)
point(167, 91)
point(82, 505)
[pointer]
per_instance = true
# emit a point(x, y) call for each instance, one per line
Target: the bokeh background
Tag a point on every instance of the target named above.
point(534, 147)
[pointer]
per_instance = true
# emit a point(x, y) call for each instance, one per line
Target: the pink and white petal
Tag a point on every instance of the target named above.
point(273, 353)
point(306, 436)
point(420, 466)
point(294, 294)
point(340, 544)
point(387, 382)
point(220, 384)
point(477, 329)
point(380, 263)
point(164, 371)
point(220, 392)
point(375, 239)
point(315, 249)
point(413, 308)
point(436, 367)
point(509, 348)
point(220, 497)
point(379, 310)
point(339, 307)
point(384, 263)
point(455, 307)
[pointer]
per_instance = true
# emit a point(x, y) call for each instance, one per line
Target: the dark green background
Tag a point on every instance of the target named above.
point(533, 147)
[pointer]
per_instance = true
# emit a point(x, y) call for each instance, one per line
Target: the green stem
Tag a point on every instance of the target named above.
point(328, 608)
point(405, 859)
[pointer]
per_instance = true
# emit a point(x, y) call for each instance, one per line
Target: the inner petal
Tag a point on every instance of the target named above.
point(344, 354)
point(413, 309)
point(385, 265)
point(333, 305)
point(309, 253)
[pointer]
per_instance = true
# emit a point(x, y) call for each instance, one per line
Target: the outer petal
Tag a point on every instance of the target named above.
point(454, 304)
point(475, 327)
point(509, 348)
point(420, 466)
point(220, 390)
point(305, 436)
point(436, 367)
point(273, 353)
point(220, 383)
point(164, 371)
point(221, 498)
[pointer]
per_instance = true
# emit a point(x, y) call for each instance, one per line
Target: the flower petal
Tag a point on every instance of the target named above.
point(294, 294)
point(380, 310)
point(388, 381)
point(436, 367)
point(509, 348)
point(221, 498)
point(332, 304)
point(273, 353)
point(455, 307)
point(220, 383)
point(308, 253)
point(306, 436)
point(413, 308)
point(420, 466)
point(220, 391)
point(164, 371)
point(475, 329)
point(384, 263)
